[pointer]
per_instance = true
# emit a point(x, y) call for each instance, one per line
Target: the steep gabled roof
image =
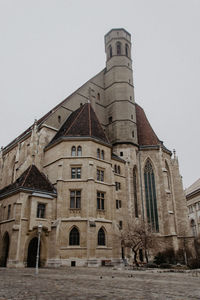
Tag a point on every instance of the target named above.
point(83, 122)
point(146, 135)
point(31, 179)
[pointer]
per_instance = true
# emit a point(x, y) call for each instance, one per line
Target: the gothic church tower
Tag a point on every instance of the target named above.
point(119, 91)
point(97, 162)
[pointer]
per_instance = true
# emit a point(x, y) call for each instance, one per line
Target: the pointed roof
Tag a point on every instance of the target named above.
point(145, 133)
point(83, 122)
point(31, 179)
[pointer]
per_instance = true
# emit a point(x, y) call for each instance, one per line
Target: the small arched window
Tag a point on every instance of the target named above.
point(102, 154)
point(101, 237)
point(110, 120)
point(98, 153)
point(118, 47)
point(74, 237)
point(73, 152)
point(115, 168)
point(110, 51)
point(79, 151)
point(127, 50)
point(118, 169)
point(59, 119)
point(98, 96)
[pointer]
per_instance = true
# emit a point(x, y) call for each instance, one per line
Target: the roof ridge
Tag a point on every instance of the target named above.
point(100, 125)
point(27, 175)
point(75, 119)
point(82, 122)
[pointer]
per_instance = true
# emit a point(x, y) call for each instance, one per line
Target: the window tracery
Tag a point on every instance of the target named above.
point(150, 195)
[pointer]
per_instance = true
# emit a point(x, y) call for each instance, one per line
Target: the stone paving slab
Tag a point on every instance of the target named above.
point(97, 284)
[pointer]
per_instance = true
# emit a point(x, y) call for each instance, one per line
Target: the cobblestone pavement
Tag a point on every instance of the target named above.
point(103, 283)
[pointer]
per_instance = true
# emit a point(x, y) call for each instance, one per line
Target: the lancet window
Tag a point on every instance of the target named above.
point(150, 195)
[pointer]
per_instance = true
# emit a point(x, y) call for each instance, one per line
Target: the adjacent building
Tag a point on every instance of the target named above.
point(193, 204)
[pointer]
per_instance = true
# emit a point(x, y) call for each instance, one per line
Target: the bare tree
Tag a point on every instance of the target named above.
point(137, 235)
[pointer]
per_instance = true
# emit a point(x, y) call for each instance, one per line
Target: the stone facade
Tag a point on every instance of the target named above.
point(105, 164)
point(193, 203)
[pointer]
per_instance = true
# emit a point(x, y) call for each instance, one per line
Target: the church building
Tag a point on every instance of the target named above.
point(85, 168)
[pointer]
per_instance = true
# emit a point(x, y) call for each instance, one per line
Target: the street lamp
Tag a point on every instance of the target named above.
point(38, 248)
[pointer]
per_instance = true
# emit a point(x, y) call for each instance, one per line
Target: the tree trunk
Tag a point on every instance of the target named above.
point(135, 258)
point(146, 256)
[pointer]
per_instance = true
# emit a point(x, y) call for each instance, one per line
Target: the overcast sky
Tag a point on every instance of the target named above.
point(50, 48)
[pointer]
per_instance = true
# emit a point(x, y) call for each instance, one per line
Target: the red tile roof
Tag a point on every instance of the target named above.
point(31, 179)
point(146, 135)
point(83, 122)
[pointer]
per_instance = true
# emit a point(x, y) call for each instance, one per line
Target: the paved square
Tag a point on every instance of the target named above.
point(103, 283)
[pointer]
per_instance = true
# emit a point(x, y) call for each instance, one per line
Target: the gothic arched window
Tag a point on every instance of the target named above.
point(73, 152)
point(79, 151)
point(118, 169)
point(110, 51)
point(127, 50)
point(150, 195)
point(135, 191)
point(74, 237)
point(98, 153)
point(101, 237)
point(102, 154)
point(118, 47)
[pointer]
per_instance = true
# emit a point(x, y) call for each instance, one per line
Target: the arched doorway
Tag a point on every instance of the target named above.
point(32, 253)
point(5, 250)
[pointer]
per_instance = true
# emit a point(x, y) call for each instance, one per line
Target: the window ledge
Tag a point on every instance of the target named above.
point(103, 248)
point(73, 247)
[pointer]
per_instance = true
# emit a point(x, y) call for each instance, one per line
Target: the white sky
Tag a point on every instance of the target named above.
point(50, 48)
